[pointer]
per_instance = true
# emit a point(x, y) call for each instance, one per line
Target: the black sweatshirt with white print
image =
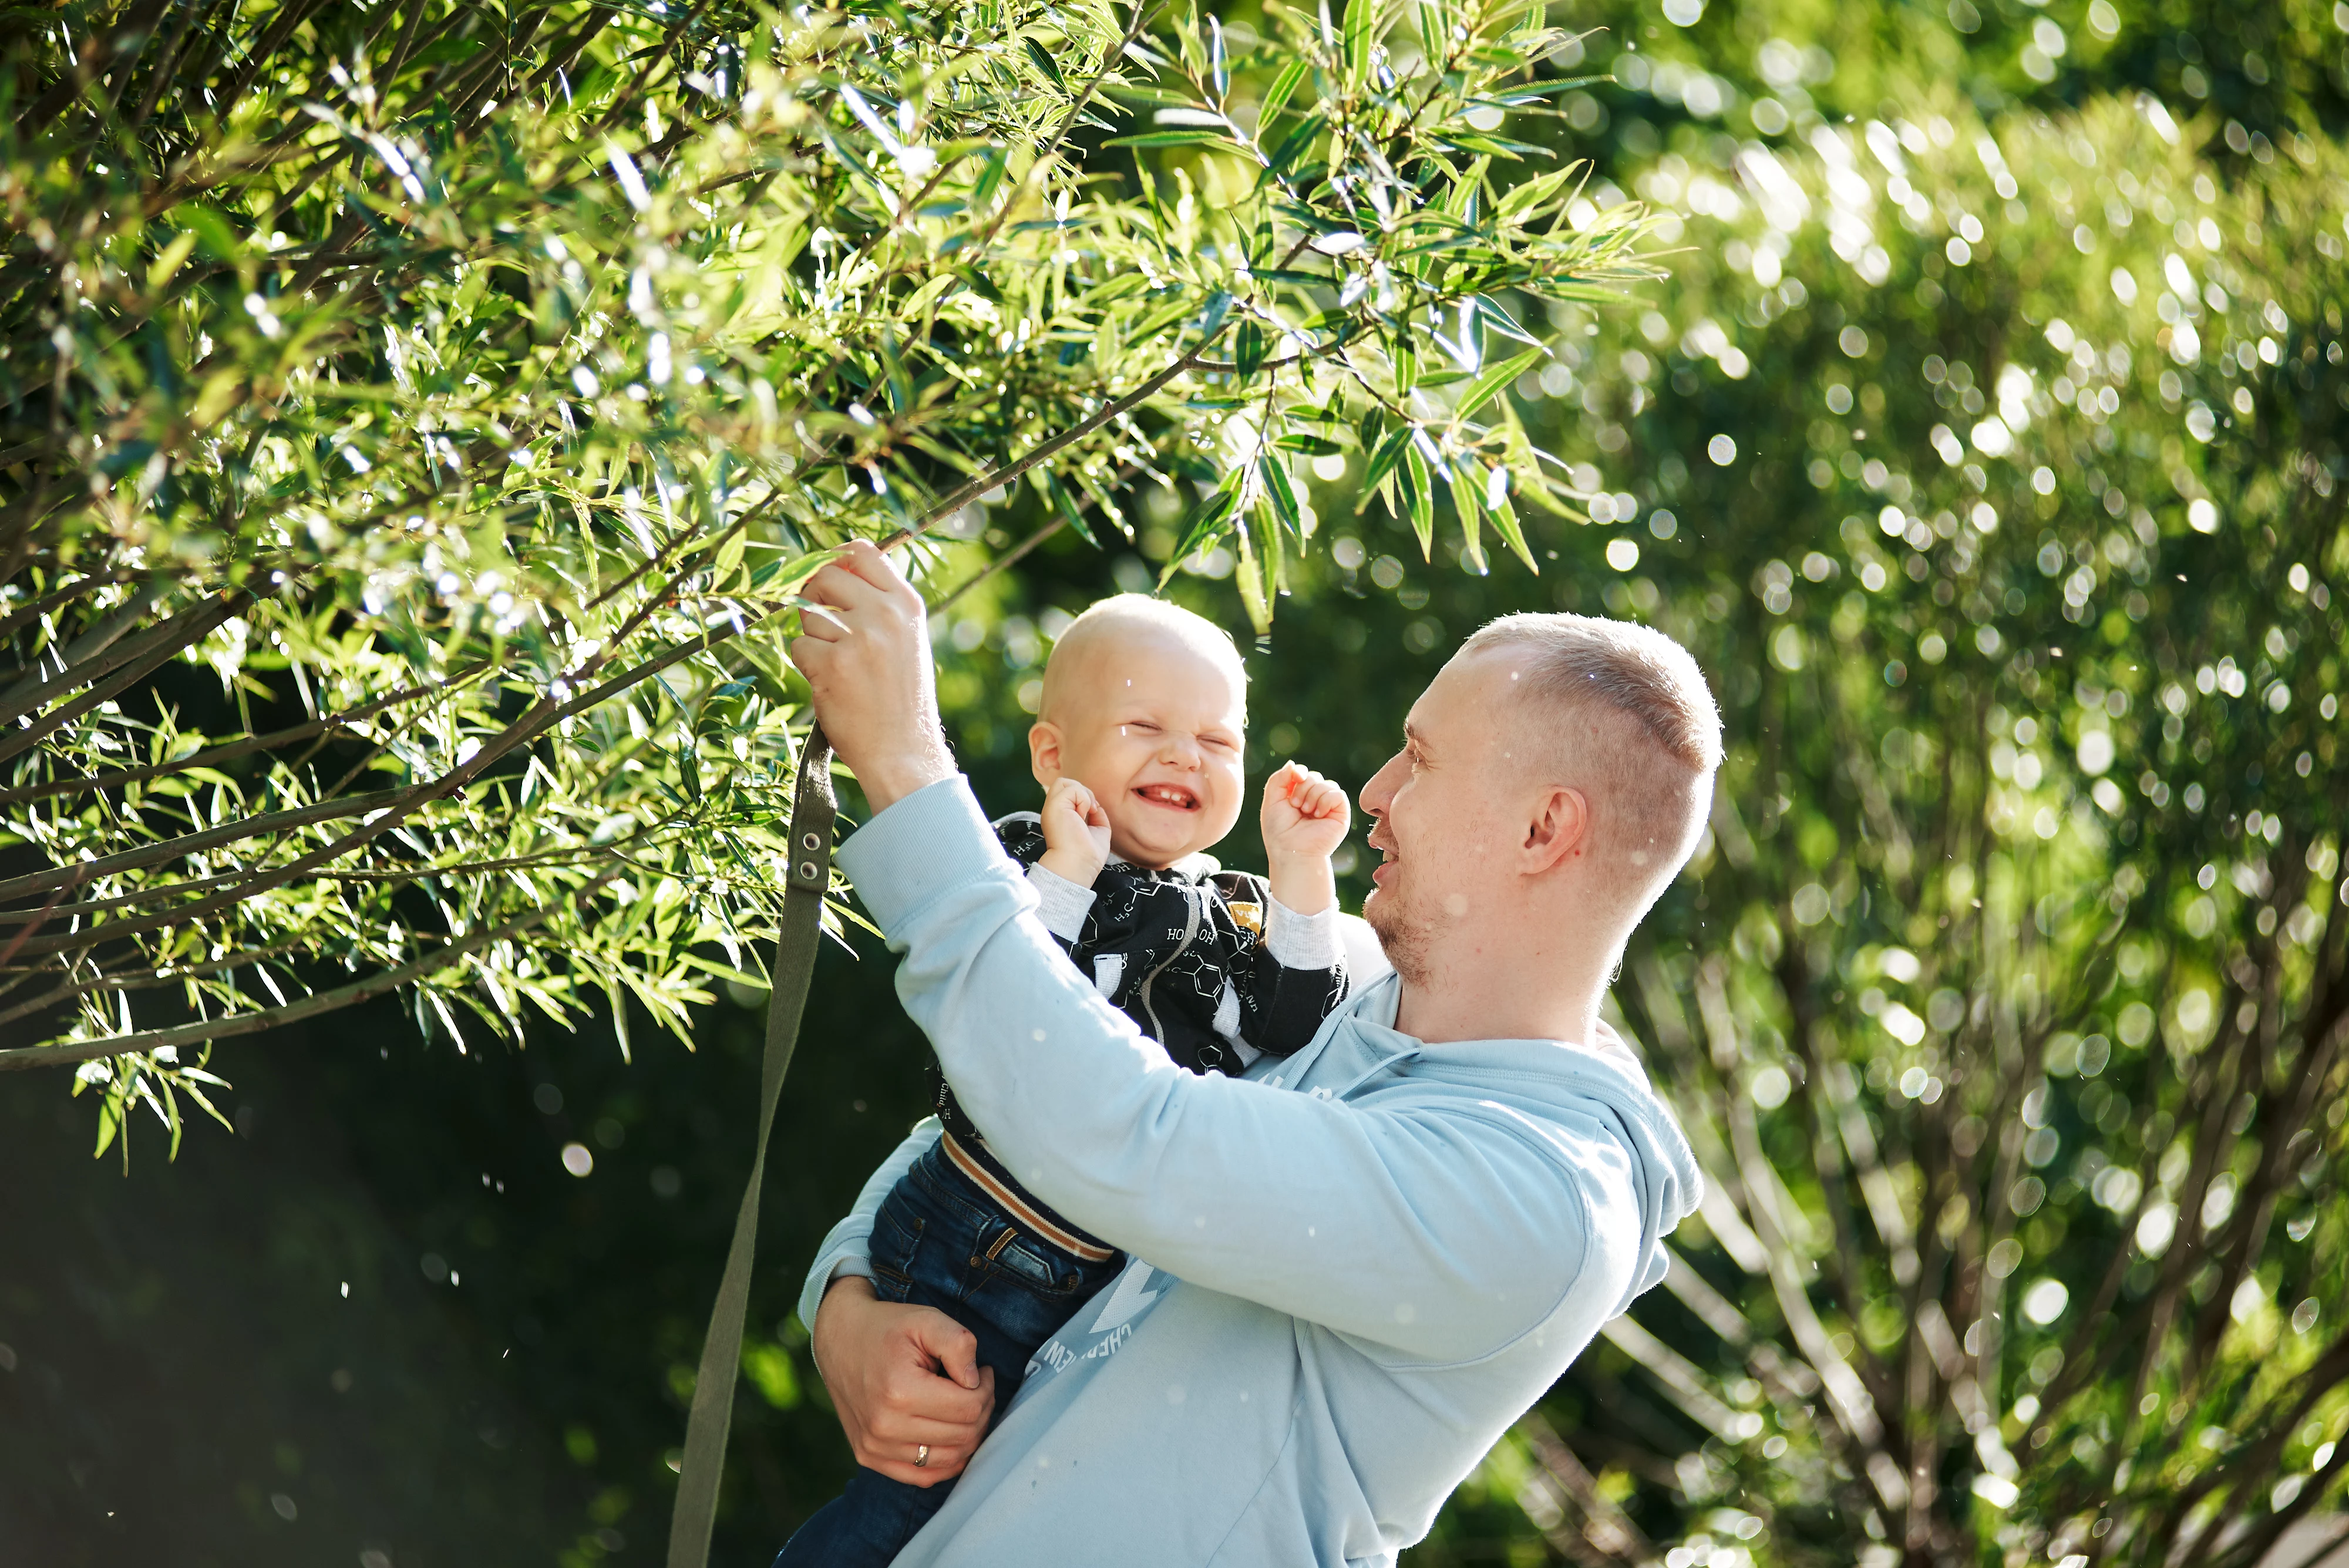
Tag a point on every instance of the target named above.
point(1188, 953)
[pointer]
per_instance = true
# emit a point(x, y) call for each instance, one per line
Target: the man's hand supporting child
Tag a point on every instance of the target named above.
point(902, 1377)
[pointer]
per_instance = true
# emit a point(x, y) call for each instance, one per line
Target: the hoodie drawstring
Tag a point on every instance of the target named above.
point(1375, 1069)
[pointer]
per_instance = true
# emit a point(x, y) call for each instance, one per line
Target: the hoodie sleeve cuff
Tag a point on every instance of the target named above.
point(1061, 903)
point(924, 846)
point(1302, 941)
point(846, 1257)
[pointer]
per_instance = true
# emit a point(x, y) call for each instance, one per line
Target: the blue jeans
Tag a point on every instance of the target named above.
point(940, 1240)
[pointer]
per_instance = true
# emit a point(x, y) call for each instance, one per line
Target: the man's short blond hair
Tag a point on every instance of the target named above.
point(1651, 744)
point(1128, 615)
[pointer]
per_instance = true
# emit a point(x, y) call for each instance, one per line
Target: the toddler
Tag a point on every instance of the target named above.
point(1137, 744)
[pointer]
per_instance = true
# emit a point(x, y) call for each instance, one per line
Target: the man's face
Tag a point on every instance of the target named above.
point(1154, 729)
point(1441, 807)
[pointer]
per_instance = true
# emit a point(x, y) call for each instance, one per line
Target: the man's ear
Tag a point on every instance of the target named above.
point(1558, 830)
point(1044, 752)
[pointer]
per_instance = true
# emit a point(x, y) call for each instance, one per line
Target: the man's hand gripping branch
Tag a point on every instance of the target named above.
point(906, 1380)
point(865, 651)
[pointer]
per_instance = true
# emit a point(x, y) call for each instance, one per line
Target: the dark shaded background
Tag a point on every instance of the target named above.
point(189, 1384)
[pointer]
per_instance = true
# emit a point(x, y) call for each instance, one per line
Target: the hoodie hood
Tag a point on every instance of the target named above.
point(1535, 1076)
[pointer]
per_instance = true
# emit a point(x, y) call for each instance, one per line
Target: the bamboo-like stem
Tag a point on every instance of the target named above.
point(332, 723)
point(33, 610)
point(16, 1058)
point(81, 659)
point(159, 73)
point(542, 716)
point(187, 628)
point(81, 873)
point(128, 673)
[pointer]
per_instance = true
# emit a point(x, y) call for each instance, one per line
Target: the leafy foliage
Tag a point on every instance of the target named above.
point(2025, 718)
point(468, 398)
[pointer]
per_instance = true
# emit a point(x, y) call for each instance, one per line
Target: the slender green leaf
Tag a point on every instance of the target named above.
point(1504, 514)
point(1042, 59)
point(1196, 136)
point(1419, 493)
point(1276, 98)
point(1280, 490)
point(1470, 507)
point(1206, 521)
point(1495, 377)
point(1070, 510)
point(1362, 28)
point(1248, 349)
point(1383, 459)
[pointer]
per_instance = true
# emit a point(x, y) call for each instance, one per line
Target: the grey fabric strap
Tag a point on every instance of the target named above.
point(813, 809)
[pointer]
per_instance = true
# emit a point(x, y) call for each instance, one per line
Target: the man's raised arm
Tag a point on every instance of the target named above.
point(1441, 1230)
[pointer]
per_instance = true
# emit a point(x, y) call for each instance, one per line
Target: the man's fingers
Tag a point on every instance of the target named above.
point(823, 623)
point(868, 562)
point(902, 1430)
point(953, 1347)
point(894, 1454)
point(950, 1419)
point(809, 656)
point(944, 1466)
point(835, 584)
point(938, 1413)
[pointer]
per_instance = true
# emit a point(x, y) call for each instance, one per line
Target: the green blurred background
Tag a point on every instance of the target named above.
point(384, 1320)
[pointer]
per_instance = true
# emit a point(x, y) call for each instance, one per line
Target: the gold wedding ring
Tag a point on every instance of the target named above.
point(921, 1456)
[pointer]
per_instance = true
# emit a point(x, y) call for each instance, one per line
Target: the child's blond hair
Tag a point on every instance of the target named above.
point(1125, 614)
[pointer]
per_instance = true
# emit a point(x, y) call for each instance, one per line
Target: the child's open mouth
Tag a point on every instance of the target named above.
point(1172, 796)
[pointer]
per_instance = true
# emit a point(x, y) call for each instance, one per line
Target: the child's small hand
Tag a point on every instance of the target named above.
point(1076, 833)
point(1305, 815)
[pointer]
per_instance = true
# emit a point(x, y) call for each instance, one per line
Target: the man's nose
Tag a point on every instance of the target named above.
point(1379, 793)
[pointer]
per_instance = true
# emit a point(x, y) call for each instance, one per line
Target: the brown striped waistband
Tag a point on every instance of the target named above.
point(996, 1184)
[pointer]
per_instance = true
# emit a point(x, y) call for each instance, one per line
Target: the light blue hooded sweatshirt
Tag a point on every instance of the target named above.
point(1353, 1269)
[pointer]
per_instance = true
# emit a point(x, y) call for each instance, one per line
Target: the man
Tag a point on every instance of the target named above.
point(1354, 1268)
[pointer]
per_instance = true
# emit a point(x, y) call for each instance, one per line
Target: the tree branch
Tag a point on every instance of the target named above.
point(16, 1058)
